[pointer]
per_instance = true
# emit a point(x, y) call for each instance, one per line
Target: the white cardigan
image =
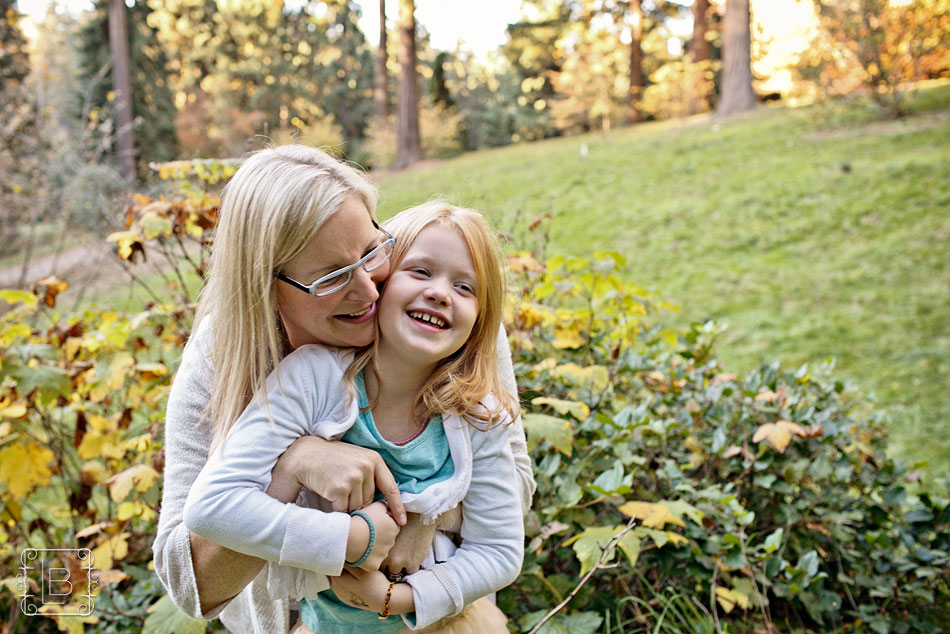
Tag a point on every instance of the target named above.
point(228, 503)
point(187, 441)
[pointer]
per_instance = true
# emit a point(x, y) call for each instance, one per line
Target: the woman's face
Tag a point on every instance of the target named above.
point(345, 318)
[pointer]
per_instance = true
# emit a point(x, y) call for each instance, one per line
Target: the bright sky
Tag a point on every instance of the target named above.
point(480, 25)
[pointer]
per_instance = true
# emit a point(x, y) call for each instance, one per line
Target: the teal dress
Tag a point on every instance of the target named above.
point(417, 464)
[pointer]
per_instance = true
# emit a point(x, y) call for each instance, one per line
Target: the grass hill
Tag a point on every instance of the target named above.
point(812, 233)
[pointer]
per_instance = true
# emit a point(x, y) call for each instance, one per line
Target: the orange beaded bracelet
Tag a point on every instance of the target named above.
point(389, 595)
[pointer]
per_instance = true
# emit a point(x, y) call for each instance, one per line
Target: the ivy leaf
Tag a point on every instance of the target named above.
point(165, 618)
point(582, 623)
point(24, 467)
point(48, 381)
point(774, 541)
point(613, 481)
point(557, 431)
point(578, 410)
point(589, 545)
point(778, 434)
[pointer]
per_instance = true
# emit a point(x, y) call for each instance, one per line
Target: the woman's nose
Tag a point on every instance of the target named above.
point(363, 286)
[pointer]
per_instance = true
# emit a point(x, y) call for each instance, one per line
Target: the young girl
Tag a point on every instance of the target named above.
point(438, 418)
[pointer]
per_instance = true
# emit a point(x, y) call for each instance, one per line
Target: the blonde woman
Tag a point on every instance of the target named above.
point(295, 212)
point(426, 396)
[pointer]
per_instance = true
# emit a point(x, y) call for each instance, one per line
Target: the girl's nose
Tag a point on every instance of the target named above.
point(437, 292)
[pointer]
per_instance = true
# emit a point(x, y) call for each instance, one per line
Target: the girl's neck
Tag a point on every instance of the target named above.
point(394, 387)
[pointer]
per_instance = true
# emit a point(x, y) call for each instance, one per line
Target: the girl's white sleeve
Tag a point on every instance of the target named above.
point(492, 537)
point(228, 503)
point(516, 437)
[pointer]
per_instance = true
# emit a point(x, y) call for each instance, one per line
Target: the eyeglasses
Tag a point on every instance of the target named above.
point(332, 282)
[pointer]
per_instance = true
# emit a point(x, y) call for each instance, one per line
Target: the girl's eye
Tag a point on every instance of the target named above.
point(418, 270)
point(466, 288)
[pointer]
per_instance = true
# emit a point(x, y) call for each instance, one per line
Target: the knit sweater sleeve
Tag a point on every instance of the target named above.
point(492, 533)
point(228, 503)
point(516, 438)
point(187, 439)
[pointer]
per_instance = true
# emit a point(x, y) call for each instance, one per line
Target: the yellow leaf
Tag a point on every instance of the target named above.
point(93, 472)
point(151, 370)
point(548, 364)
point(143, 476)
point(650, 514)
point(111, 550)
point(578, 410)
point(12, 410)
point(728, 599)
point(594, 377)
point(97, 444)
point(778, 434)
point(568, 337)
point(24, 467)
point(12, 296)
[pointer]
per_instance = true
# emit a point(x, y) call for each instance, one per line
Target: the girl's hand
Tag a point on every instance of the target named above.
point(367, 591)
point(386, 532)
point(411, 547)
point(345, 475)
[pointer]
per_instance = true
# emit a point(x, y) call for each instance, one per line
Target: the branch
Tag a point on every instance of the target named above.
point(600, 565)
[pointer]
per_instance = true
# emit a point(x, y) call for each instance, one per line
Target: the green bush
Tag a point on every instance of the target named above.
point(769, 495)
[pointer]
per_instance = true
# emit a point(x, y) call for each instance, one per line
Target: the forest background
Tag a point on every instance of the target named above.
point(751, 484)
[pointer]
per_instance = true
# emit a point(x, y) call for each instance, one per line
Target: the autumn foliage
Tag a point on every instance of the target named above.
point(767, 497)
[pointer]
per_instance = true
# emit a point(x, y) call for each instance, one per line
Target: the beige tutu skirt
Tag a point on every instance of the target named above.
point(482, 617)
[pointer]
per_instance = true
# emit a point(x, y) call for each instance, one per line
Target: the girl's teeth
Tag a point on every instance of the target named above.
point(428, 318)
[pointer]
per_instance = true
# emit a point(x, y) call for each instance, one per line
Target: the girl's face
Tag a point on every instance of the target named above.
point(429, 305)
point(344, 318)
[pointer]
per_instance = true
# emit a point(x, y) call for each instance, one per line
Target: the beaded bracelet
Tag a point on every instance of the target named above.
point(389, 595)
point(372, 540)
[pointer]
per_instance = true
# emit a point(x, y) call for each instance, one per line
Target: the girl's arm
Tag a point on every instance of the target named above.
point(490, 555)
point(228, 504)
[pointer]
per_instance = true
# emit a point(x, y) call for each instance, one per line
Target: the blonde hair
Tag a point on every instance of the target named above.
point(271, 211)
point(460, 383)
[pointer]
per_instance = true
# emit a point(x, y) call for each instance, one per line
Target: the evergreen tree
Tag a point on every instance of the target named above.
point(153, 107)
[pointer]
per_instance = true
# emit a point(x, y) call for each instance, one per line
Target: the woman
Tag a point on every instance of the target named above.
point(299, 213)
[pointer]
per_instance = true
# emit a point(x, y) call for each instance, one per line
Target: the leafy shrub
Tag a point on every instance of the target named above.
point(768, 494)
point(761, 500)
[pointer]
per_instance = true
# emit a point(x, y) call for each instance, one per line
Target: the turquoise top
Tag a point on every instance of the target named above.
point(417, 464)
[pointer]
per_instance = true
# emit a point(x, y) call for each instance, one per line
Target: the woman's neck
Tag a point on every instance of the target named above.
point(394, 387)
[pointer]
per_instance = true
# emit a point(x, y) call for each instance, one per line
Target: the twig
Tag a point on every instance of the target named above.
point(600, 565)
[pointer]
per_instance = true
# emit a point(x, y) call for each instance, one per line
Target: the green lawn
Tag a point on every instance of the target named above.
point(812, 233)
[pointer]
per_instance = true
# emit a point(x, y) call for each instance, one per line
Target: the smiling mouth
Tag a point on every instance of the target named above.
point(428, 319)
point(361, 315)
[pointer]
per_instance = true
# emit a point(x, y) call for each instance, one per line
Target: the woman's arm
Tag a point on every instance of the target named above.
point(228, 503)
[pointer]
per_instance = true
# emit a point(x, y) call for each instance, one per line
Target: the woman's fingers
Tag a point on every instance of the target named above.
point(386, 484)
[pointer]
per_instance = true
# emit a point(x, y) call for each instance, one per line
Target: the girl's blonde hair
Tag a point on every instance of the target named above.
point(271, 211)
point(460, 383)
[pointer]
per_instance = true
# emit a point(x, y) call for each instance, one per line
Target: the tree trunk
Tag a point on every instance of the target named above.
point(699, 49)
point(637, 81)
point(121, 85)
point(736, 92)
point(408, 147)
point(380, 79)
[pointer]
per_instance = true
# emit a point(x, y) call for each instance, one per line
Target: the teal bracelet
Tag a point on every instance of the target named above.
point(372, 540)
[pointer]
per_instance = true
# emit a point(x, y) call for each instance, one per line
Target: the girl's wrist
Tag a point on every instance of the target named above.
point(358, 539)
point(401, 601)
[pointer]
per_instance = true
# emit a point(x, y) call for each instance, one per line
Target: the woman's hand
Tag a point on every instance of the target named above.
point(367, 591)
point(386, 532)
point(345, 475)
point(411, 547)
